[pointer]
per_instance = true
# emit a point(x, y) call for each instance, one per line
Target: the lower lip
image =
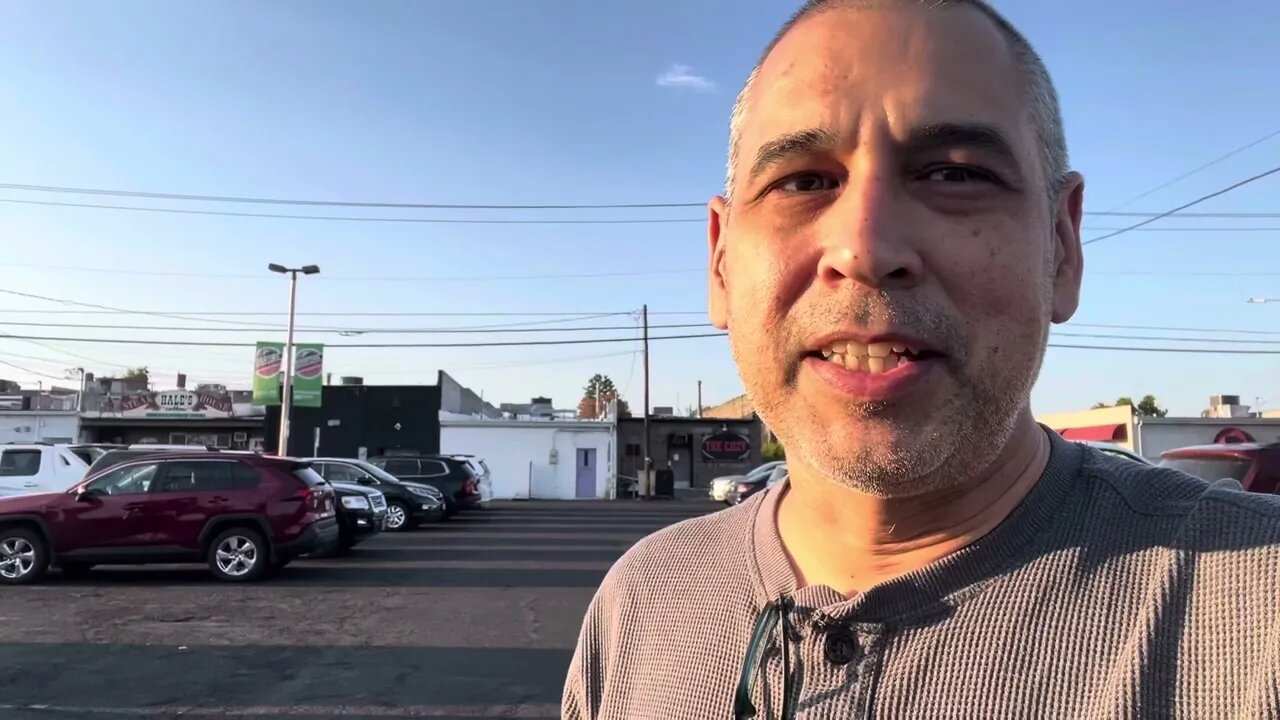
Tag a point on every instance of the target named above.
point(871, 387)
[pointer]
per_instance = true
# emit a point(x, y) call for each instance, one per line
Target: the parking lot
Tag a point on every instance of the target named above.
point(473, 617)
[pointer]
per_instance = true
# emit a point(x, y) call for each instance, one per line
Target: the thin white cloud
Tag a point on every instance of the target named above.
point(682, 76)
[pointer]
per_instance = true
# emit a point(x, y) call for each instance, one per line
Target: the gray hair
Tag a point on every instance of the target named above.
point(1042, 98)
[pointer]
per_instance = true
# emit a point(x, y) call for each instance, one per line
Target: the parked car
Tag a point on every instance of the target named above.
point(484, 479)
point(362, 513)
point(753, 484)
point(242, 514)
point(90, 452)
point(38, 468)
point(449, 475)
point(722, 486)
point(408, 504)
point(1116, 451)
point(1255, 466)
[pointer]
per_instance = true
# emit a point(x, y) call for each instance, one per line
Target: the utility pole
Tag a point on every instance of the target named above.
point(699, 398)
point(286, 397)
point(648, 458)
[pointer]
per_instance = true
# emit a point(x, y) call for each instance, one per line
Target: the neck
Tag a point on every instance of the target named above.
point(850, 541)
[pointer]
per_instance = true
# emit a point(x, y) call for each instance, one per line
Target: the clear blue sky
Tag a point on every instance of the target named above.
point(531, 101)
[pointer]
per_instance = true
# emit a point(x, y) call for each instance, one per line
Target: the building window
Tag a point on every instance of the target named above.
point(631, 450)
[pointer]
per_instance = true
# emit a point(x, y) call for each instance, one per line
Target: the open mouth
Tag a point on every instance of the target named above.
point(873, 358)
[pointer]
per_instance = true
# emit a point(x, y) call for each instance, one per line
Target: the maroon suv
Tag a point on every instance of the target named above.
point(1255, 466)
point(243, 514)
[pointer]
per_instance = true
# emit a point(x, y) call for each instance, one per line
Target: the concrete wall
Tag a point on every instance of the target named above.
point(518, 454)
point(29, 426)
point(458, 400)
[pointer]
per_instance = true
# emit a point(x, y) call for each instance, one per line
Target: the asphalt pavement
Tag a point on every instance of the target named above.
point(475, 617)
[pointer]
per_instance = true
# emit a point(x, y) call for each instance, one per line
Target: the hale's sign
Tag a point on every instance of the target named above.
point(726, 447)
point(176, 404)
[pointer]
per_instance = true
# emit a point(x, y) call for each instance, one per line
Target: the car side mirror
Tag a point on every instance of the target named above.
point(88, 494)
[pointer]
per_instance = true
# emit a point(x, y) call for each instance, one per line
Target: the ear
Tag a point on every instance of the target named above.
point(1068, 252)
point(718, 293)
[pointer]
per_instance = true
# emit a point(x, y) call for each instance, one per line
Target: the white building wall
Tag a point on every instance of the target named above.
point(519, 455)
point(29, 426)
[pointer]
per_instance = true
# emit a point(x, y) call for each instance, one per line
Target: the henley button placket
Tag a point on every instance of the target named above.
point(840, 646)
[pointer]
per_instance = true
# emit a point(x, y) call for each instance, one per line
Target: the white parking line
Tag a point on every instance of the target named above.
point(543, 710)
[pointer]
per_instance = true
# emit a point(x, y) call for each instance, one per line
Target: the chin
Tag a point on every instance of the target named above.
point(881, 456)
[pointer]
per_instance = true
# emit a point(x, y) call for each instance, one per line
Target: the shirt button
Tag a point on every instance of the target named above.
point(840, 647)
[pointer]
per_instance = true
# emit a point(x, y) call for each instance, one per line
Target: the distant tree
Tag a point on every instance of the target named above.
point(138, 373)
point(773, 450)
point(596, 396)
point(1147, 407)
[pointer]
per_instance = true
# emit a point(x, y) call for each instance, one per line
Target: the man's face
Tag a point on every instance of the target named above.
point(891, 260)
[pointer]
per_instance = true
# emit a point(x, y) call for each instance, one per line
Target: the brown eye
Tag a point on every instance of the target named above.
point(807, 183)
point(956, 174)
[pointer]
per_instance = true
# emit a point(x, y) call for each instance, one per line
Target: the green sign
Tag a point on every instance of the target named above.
point(308, 373)
point(267, 363)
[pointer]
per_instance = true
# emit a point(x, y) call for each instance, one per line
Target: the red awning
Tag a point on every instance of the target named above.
point(1106, 433)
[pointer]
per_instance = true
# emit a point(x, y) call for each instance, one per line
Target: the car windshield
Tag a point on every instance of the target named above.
point(1210, 468)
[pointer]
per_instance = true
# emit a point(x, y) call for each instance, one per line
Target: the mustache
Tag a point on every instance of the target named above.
point(883, 310)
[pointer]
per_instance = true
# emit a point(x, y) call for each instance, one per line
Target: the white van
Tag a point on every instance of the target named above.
point(27, 469)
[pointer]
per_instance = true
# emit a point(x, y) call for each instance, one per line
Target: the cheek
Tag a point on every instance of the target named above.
point(996, 280)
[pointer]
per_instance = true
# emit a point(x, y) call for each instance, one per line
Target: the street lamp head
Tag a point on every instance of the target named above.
point(310, 269)
point(277, 268)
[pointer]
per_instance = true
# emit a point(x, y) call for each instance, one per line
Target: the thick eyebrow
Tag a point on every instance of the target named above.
point(800, 142)
point(950, 136)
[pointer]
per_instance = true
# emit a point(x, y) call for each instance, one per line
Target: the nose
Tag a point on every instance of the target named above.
point(868, 236)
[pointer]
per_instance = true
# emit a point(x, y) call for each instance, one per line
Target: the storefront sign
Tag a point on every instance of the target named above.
point(726, 446)
point(176, 404)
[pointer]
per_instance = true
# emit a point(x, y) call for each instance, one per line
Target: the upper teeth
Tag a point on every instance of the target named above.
point(857, 349)
point(873, 358)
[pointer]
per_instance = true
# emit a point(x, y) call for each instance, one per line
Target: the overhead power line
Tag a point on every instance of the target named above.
point(224, 313)
point(1193, 203)
point(509, 221)
point(593, 341)
point(187, 197)
point(211, 343)
point(30, 371)
point(1197, 170)
point(267, 277)
point(346, 218)
point(352, 331)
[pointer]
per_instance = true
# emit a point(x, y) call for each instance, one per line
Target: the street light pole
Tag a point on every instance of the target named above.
point(286, 389)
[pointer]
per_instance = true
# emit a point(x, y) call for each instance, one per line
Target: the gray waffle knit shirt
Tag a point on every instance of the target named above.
point(1113, 590)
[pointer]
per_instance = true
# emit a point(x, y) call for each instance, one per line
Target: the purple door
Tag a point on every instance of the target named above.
point(586, 462)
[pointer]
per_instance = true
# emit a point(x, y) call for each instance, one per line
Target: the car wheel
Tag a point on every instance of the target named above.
point(397, 516)
point(238, 555)
point(75, 569)
point(24, 556)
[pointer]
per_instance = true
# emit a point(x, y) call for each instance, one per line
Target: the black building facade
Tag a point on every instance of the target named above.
point(695, 450)
point(362, 421)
